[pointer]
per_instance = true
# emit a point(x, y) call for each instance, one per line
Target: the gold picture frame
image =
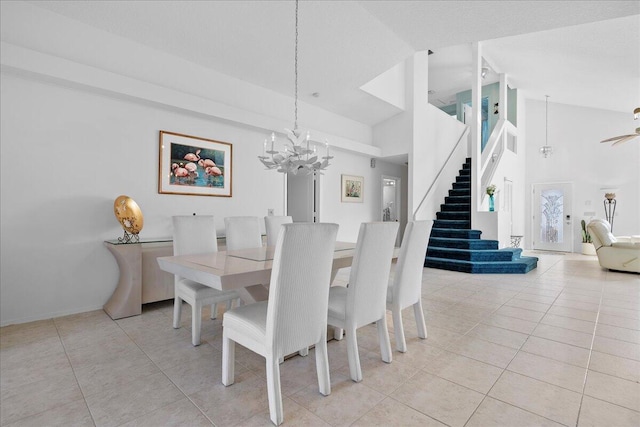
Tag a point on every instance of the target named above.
point(194, 166)
point(352, 189)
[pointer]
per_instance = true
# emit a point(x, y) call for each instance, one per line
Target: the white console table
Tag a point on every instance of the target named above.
point(141, 281)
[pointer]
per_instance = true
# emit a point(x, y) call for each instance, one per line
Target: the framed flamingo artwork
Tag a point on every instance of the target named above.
point(194, 166)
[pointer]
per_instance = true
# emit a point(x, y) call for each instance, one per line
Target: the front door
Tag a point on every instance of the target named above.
point(552, 217)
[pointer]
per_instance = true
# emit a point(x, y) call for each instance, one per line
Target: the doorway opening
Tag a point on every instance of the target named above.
point(391, 200)
point(303, 197)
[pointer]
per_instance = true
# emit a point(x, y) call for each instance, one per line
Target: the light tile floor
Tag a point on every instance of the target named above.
point(558, 346)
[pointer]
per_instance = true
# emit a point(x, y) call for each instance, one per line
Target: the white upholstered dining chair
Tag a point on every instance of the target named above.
point(363, 301)
point(406, 288)
point(295, 315)
point(195, 234)
point(272, 227)
point(242, 232)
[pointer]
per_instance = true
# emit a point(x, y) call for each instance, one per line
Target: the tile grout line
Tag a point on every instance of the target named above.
point(84, 398)
point(514, 356)
point(166, 376)
point(586, 373)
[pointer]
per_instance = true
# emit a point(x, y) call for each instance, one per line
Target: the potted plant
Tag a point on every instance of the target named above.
point(490, 190)
point(587, 244)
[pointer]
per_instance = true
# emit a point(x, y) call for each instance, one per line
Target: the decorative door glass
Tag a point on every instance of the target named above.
point(552, 212)
point(552, 217)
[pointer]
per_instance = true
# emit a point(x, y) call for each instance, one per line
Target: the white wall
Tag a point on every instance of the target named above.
point(66, 155)
point(75, 136)
point(427, 135)
point(443, 133)
point(26, 29)
point(579, 157)
point(349, 215)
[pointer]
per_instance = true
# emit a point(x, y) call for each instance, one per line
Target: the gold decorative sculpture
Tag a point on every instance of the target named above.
point(129, 215)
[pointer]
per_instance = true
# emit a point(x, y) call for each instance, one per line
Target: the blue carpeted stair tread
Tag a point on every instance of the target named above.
point(454, 215)
point(460, 192)
point(455, 207)
point(520, 266)
point(473, 254)
point(457, 200)
point(451, 223)
point(454, 233)
point(462, 243)
point(462, 185)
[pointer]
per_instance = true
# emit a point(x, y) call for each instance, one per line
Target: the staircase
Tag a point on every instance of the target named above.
point(454, 246)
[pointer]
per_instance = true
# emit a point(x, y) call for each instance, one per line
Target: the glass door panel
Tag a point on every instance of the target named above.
point(552, 223)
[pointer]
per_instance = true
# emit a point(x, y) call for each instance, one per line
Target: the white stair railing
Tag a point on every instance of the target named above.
point(493, 151)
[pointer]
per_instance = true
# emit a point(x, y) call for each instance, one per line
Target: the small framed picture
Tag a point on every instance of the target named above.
point(194, 166)
point(352, 188)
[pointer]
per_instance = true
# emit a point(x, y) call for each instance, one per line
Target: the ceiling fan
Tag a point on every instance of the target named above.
point(625, 138)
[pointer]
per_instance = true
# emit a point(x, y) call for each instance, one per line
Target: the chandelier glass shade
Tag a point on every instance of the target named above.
point(297, 157)
point(546, 150)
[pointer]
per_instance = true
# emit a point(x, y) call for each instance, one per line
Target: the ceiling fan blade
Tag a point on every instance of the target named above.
point(618, 137)
point(625, 139)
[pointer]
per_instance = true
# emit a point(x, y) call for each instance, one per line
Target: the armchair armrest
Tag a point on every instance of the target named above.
point(626, 244)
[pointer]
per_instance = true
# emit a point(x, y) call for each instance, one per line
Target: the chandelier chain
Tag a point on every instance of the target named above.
point(546, 122)
point(295, 122)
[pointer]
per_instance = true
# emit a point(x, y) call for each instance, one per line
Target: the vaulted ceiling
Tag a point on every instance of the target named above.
point(579, 52)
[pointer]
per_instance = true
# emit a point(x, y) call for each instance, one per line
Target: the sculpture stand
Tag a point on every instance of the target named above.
point(610, 210)
point(129, 238)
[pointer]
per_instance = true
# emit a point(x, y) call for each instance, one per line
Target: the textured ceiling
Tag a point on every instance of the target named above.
point(343, 45)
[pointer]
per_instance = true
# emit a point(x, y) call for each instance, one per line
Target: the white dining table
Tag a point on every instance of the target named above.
point(247, 271)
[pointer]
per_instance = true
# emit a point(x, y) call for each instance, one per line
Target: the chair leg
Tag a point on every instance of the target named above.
point(274, 392)
point(196, 322)
point(383, 336)
point(214, 311)
point(398, 329)
point(338, 333)
point(419, 314)
point(177, 312)
point(228, 360)
point(353, 355)
point(322, 366)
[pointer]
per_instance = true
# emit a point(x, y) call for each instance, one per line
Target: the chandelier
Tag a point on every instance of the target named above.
point(546, 149)
point(297, 157)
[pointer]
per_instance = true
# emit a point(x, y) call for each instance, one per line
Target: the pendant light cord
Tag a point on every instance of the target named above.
point(295, 122)
point(546, 122)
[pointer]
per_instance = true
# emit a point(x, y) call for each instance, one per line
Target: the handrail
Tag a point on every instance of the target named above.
point(492, 144)
point(491, 155)
point(446, 162)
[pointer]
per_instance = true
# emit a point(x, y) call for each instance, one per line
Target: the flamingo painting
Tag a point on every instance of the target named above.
point(202, 168)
